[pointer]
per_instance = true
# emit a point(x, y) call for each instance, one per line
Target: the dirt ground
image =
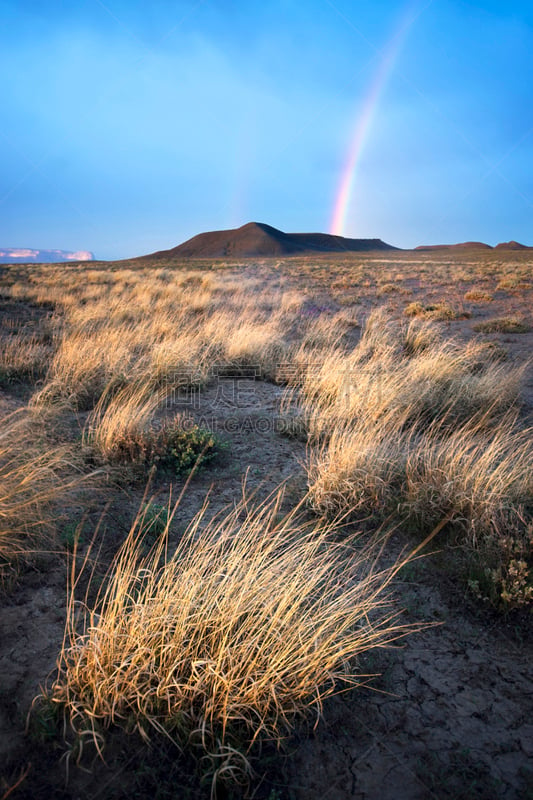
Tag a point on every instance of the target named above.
point(450, 714)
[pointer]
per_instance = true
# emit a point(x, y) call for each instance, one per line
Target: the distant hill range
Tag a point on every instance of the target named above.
point(474, 246)
point(21, 255)
point(255, 239)
point(258, 239)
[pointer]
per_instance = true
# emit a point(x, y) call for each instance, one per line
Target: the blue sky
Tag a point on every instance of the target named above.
point(128, 127)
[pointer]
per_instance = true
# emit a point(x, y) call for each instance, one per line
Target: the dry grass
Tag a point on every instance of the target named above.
point(435, 311)
point(389, 288)
point(484, 478)
point(164, 333)
point(120, 417)
point(32, 477)
point(22, 357)
point(514, 283)
point(478, 296)
point(406, 372)
point(419, 429)
point(503, 325)
point(478, 479)
point(257, 618)
point(250, 624)
point(123, 430)
point(131, 335)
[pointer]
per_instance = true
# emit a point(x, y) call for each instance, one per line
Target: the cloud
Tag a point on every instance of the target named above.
point(79, 255)
point(12, 254)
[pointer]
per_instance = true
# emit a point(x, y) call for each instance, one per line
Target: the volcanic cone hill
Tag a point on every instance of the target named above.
point(258, 239)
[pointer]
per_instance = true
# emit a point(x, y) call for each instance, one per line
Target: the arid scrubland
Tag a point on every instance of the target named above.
point(227, 632)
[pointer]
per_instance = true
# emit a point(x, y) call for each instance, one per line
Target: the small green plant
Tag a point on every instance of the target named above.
point(175, 448)
point(154, 523)
point(43, 720)
point(155, 519)
point(501, 571)
point(185, 448)
point(72, 535)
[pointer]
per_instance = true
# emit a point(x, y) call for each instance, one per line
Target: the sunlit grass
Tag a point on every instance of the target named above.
point(251, 623)
point(403, 373)
point(33, 476)
point(511, 324)
point(425, 429)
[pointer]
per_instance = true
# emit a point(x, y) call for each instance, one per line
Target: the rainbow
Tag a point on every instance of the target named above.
point(364, 122)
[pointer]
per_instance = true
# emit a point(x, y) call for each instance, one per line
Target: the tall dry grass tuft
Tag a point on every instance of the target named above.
point(32, 477)
point(251, 623)
point(358, 468)
point(483, 478)
point(86, 361)
point(408, 372)
point(124, 429)
point(475, 473)
point(23, 357)
point(120, 417)
point(420, 429)
point(139, 329)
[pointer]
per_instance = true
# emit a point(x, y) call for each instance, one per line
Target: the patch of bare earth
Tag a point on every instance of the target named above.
point(450, 717)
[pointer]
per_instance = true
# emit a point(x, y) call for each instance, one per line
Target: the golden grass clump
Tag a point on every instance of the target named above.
point(476, 476)
point(511, 324)
point(478, 296)
point(32, 476)
point(513, 283)
point(251, 623)
point(436, 311)
point(119, 417)
point(84, 364)
point(483, 477)
point(358, 469)
point(123, 429)
point(419, 429)
point(406, 373)
point(22, 357)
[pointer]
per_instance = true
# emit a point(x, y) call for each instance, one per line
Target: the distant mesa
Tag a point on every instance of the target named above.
point(474, 246)
point(460, 246)
point(258, 239)
point(21, 255)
